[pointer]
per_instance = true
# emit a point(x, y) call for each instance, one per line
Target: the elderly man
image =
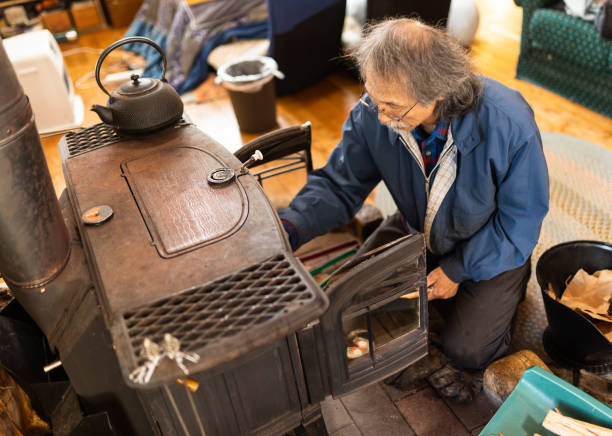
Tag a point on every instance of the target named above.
point(462, 157)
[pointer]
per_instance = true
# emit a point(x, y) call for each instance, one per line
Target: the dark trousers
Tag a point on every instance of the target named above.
point(478, 320)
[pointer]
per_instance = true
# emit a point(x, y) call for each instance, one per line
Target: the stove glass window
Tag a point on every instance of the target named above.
point(381, 315)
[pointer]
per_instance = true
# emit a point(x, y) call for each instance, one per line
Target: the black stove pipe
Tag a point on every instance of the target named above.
point(34, 243)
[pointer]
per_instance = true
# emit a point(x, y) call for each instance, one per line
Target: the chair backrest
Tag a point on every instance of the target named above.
point(291, 144)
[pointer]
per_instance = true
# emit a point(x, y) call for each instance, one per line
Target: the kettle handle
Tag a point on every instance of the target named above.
point(121, 42)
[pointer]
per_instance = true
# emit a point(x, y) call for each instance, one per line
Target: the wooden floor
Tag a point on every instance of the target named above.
point(326, 104)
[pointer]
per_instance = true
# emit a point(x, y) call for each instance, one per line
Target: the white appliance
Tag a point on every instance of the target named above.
point(42, 73)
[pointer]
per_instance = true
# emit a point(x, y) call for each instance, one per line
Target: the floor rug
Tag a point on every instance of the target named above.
point(580, 176)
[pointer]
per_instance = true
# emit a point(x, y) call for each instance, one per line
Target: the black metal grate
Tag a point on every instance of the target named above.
point(221, 309)
point(98, 136)
point(91, 138)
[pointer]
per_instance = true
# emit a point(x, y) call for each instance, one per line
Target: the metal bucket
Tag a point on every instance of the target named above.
point(571, 337)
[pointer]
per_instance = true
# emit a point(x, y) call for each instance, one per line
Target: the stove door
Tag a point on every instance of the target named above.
point(378, 306)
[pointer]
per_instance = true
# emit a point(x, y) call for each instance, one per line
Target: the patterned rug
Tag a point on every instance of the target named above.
point(580, 175)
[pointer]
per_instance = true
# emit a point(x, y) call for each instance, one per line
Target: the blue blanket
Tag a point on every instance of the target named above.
point(188, 34)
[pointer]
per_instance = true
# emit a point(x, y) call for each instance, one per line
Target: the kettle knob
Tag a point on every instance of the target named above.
point(135, 78)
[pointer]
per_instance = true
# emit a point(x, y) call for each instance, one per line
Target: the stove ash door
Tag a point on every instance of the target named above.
point(380, 297)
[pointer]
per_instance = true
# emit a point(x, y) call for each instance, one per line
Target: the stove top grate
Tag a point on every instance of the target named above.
point(264, 296)
point(94, 137)
point(98, 136)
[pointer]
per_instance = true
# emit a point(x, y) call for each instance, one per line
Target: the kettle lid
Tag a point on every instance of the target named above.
point(136, 85)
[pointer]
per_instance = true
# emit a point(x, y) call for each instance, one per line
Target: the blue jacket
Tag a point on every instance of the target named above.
point(489, 222)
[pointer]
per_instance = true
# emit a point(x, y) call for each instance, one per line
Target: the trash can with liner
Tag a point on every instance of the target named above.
point(250, 85)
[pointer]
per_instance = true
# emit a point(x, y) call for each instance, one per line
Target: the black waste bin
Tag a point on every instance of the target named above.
point(571, 337)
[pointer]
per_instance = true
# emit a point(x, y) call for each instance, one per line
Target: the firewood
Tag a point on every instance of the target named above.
point(566, 426)
point(411, 295)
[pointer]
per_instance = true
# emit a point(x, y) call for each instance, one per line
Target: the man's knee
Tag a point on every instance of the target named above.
point(473, 354)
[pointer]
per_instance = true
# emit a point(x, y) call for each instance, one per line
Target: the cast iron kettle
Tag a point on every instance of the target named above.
point(140, 105)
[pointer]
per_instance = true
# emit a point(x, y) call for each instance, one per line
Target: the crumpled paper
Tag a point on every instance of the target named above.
point(591, 295)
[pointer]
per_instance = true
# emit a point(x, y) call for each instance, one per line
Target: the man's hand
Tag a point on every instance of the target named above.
point(439, 286)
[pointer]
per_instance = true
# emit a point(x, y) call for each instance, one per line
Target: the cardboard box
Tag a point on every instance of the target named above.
point(122, 12)
point(16, 16)
point(56, 21)
point(85, 15)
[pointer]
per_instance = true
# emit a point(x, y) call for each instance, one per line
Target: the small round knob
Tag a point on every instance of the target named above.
point(134, 78)
point(221, 176)
point(97, 215)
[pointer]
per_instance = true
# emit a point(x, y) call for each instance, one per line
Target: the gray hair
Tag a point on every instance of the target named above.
point(431, 64)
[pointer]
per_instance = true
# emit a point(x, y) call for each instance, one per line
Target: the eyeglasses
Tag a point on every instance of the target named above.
point(377, 109)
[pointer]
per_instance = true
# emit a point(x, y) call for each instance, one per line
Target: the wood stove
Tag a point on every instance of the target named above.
point(174, 303)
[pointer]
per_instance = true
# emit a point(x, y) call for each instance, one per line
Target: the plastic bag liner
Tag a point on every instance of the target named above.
point(250, 85)
point(248, 74)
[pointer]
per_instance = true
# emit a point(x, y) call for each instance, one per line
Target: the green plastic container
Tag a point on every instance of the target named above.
point(536, 393)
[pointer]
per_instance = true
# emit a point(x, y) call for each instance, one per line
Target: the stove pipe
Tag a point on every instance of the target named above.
point(34, 243)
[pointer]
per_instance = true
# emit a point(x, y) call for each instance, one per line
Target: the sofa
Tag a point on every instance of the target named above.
point(566, 55)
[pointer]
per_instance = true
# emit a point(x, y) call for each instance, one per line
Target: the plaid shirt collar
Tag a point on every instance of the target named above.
point(431, 145)
point(440, 132)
